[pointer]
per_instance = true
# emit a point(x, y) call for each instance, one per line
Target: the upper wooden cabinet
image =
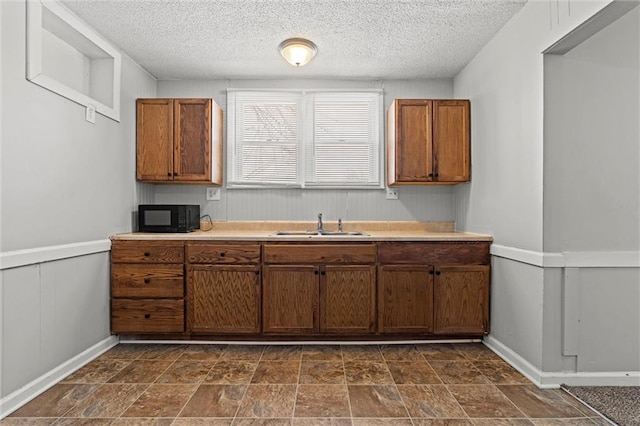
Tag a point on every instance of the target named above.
point(428, 142)
point(179, 141)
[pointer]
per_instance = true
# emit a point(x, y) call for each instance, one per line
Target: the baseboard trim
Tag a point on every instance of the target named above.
point(17, 258)
point(553, 380)
point(17, 399)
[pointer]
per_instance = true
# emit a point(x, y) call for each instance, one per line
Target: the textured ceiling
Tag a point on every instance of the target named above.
point(356, 39)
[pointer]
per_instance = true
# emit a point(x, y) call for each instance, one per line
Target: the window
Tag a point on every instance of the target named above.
point(304, 139)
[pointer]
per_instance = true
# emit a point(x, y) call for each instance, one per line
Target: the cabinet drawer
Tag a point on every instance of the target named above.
point(147, 252)
point(147, 316)
point(320, 253)
point(434, 253)
point(153, 280)
point(223, 253)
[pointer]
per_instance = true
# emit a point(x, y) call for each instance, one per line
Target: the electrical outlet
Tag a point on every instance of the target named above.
point(90, 114)
point(213, 194)
point(392, 193)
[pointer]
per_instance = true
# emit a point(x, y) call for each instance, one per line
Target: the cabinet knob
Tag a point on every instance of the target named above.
point(431, 272)
point(323, 273)
point(435, 175)
point(169, 174)
point(437, 272)
point(222, 254)
point(147, 316)
point(430, 175)
point(147, 254)
point(147, 280)
point(257, 272)
point(175, 174)
point(315, 272)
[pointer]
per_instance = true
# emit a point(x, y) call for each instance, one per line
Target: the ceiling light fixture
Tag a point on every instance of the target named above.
point(297, 51)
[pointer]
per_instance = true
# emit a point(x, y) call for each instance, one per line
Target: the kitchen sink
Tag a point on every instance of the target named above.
point(320, 233)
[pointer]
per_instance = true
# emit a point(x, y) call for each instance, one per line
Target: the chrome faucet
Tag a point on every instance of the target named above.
point(320, 230)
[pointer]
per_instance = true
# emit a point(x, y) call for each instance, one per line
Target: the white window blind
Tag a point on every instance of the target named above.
point(305, 139)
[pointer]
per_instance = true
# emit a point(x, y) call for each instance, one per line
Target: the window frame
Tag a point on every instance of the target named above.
point(304, 140)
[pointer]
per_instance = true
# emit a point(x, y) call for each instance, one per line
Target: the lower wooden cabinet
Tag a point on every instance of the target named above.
point(147, 287)
point(223, 288)
point(319, 288)
point(461, 299)
point(405, 299)
point(223, 299)
point(405, 289)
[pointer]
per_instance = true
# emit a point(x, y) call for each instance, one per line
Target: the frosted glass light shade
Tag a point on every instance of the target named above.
point(298, 51)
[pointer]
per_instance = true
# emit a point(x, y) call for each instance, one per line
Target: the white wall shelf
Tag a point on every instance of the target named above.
point(67, 57)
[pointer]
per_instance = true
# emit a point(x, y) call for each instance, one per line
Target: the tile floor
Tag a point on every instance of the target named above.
point(429, 384)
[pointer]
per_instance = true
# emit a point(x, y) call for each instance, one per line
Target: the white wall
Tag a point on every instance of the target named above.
point(64, 183)
point(415, 203)
point(533, 291)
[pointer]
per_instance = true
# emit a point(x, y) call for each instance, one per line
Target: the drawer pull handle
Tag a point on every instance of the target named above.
point(147, 254)
point(147, 280)
point(147, 316)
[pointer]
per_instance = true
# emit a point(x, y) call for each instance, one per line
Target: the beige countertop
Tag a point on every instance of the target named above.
point(265, 230)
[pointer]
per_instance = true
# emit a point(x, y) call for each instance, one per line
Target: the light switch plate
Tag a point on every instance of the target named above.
point(90, 113)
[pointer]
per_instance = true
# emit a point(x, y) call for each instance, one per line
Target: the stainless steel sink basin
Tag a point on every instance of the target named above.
point(317, 233)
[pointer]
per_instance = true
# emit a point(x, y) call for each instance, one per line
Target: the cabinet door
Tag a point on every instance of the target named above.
point(290, 299)
point(461, 299)
point(451, 141)
point(405, 299)
point(347, 299)
point(223, 299)
point(154, 146)
point(192, 142)
point(413, 144)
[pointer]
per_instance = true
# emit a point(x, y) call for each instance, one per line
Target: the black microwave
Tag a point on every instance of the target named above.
point(168, 217)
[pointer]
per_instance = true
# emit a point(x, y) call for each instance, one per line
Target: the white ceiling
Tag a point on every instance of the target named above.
point(356, 39)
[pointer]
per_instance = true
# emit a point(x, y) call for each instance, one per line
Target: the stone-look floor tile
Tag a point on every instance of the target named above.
point(56, 401)
point(141, 371)
point(231, 372)
point(440, 352)
point(261, 422)
point(322, 401)
point(401, 353)
point(202, 352)
point(367, 373)
point(83, 422)
point(28, 421)
point(97, 371)
point(282, 353)
point(322, 372)
point(268, 401)
point(214, 401)
point(443, 422)
point(110, 400)
point(476, 351)
point(301, 421)
point(321, 353)
point(202, 421)
point(413, 373)
point(161, 400)
point(131, 421)
point(502, 422)
point(565, 422)
point(499, 372)
point(376, 401)
point(458, 373)
point(484, 401)
point(430, 401)
point(128, 351)
point(362, 353)
point(243, 352)
point(186, 372)
point(382, 422)
point(163, 352)
point(277, 372)
point(539, 403)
